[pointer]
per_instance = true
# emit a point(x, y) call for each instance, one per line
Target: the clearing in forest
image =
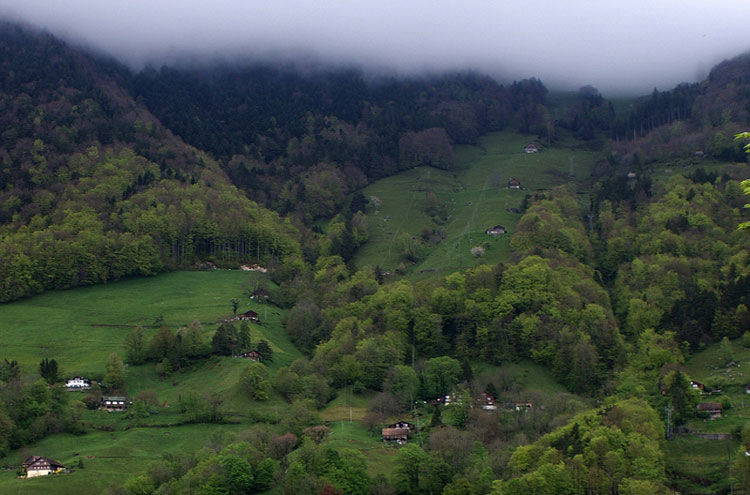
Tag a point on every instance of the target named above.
point(470, 200)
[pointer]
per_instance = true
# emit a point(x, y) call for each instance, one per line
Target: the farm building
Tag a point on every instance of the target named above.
point(514, 183)
point(402, 424)
point(111, 403)
point(78, 383)
point(713, 409)
point(487, 402)
point(398, 435)
point(41, 466)
point(496, 230)
point(248, 316)
point(530, 148)
point(697, 386)
point(252, 355)
point(260, 294)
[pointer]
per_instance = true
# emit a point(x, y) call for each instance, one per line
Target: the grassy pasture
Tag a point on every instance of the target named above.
point(709, 367)
point(698, 465)
point(476, 197)
point(108, 457)
point(81, 327)
point(61, 326)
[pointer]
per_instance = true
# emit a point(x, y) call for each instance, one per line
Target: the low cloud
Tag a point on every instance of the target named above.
point(619, 47)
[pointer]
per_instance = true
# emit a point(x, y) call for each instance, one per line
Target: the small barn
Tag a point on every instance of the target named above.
point(530, 148)
point(712, 409)
point(496, 230)
point(514, 183)
point(398, 435)
point(261, 294)
point(41, 466)
point(248, 316)
point(251, 355)
point(402, 424)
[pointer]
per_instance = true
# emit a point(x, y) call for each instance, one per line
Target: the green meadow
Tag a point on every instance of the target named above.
point(475, 197)
point(108, 457)
point(81, 327)
point(702, 466)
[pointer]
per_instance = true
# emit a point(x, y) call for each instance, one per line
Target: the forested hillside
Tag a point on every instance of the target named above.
point(610, 285)
point(697, 119)
point(93, 188)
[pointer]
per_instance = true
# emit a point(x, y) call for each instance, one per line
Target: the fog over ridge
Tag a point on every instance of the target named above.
point(619, 47)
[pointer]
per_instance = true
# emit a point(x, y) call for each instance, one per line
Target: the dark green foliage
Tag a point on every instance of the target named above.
point(243, 337)
point(48, 370)
point(265, 351)
point(225, 340)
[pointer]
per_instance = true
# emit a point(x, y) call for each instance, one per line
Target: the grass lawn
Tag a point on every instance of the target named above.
point(699, 466)
point(709, 367)
point(77, 328)
point(532, 377)
point(81, 327)
point(353, 435)
point(108, 457)
point(476, 197)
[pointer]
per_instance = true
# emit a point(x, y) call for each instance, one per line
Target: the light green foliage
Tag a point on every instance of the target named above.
point(139, 485)
point(553, 224)
point(597, 451)
point(114, 377)
point(255, 381)
point(408, 469)
point(135, 346)
point(441, 375)
point(403, 382)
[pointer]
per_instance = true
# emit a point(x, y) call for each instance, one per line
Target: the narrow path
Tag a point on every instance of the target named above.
point(470, 222)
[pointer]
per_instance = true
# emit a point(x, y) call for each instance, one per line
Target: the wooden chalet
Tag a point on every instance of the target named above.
point(713, 409)
point(403, 424)
point(530, 148)
point(248, 316)
point(496, 230)
point(260, 294)
point(398, 435)
point(114, 403)
point(514, 183)
point(251, 355)
point(41, 466)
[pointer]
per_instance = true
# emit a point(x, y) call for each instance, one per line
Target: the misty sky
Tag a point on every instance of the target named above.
point(618, 46)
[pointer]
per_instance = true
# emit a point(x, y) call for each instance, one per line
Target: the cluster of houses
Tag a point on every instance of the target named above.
point(108, 403)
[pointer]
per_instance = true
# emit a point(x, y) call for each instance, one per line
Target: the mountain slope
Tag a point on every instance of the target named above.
point(94, 188)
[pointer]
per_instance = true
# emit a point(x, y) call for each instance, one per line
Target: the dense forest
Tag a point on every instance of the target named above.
point(107, 174)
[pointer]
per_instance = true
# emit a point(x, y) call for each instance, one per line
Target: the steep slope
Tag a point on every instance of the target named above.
point(94, 188)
